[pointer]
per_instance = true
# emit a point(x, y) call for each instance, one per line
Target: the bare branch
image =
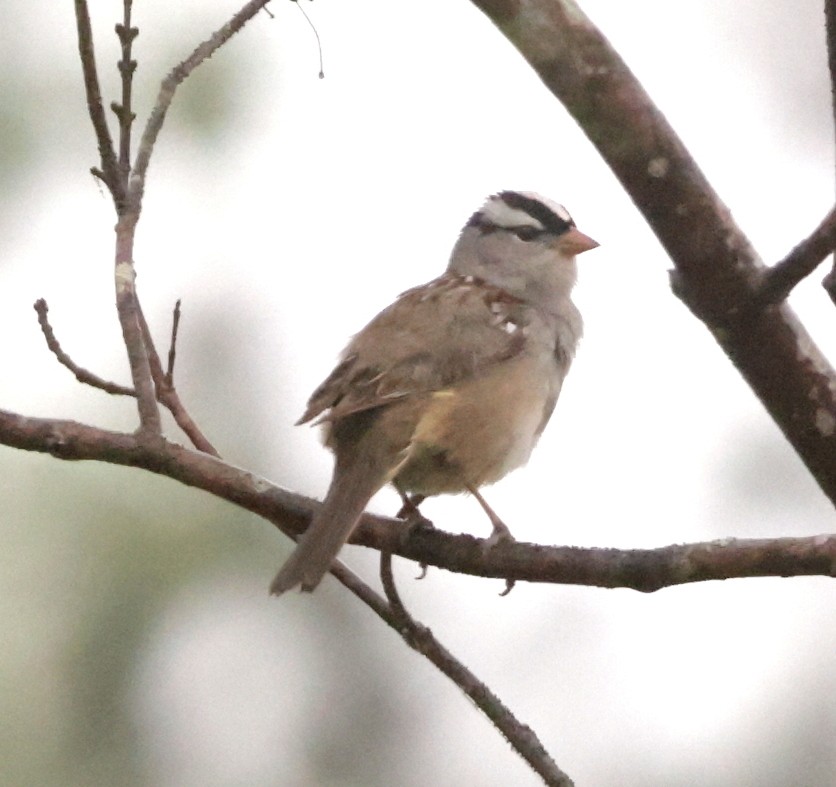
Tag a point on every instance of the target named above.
point(521, 737)
point(128, 309)
point(646, 570)
point(129, 208)
point(777, 282)
point(172, 348)
point(127, 66)
point(166, 393)
point(81, 374)
point(164, 386)
point(109, 171)
point(717, 270)
point(170, 84)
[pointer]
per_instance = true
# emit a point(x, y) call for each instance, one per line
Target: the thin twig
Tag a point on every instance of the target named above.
point(170, 84)
point(172, 349)
point(778, 281)
point(109, 171)
point(521, 737)
point(127, 304)
point(81, 374)
point(166, 393)
point(127, 66)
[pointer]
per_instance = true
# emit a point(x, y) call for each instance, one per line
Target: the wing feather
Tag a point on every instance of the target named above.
point(468, 324)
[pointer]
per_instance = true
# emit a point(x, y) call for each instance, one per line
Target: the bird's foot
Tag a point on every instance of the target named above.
point(501, 535)
point(411, 515)
point(415, 520)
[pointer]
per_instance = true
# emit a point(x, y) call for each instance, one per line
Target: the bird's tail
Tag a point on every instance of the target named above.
point(351, 489)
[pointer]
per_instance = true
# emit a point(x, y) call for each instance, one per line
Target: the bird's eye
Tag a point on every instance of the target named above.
point(527, 233)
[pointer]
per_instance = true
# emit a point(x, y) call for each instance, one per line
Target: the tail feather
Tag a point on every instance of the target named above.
point(330, 528)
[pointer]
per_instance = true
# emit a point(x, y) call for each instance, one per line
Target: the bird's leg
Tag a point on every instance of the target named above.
point(409, 511)
point(501, 533)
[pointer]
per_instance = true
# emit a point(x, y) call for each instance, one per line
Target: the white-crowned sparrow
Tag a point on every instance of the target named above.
point(449, 388)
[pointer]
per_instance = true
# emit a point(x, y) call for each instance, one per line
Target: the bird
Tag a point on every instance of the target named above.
point(449, 388)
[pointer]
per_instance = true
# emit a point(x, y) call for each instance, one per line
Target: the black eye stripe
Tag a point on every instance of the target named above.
point(527, 232)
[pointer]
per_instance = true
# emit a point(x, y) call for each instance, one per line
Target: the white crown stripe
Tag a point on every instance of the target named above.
point(500, 214)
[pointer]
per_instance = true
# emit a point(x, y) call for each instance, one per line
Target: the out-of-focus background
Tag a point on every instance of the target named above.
point(139, 645)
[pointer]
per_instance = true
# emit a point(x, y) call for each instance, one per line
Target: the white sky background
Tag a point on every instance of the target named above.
point(322, 202)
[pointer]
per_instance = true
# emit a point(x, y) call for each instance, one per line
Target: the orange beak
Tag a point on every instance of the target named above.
point(576, 242)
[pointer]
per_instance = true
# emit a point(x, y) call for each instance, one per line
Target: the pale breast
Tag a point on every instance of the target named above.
point(478, 432)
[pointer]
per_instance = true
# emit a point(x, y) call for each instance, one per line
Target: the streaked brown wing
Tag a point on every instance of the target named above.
point(429, 339)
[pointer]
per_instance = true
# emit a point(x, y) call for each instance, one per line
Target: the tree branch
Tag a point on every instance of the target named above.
point(128, 310)
point(830, 32)
point(291, 513)
point(109, 172)
point(164, 384)
point(777, 282)
point(645, 570)
point(81, 374)
point(127, 66)
point(170, 84)
point(829, 282)
point(521, 737)
point(172, 347)
point(717, 270)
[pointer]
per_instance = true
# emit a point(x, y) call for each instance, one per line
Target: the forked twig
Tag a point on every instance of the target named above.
point(165, 391)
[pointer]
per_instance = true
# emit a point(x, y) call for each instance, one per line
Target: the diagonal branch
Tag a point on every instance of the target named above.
point(717, 270)
point(290, 512)
point(170, 84)
point(521, 737)
point(172, 347)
